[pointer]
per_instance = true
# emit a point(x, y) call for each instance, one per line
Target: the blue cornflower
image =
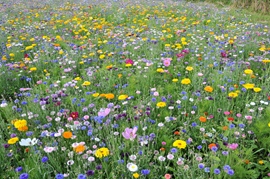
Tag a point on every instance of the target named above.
point(174, 150)
point(201, 165)
point(24, 176)
point(145, 171)
point(59, 176)
point(207, 169)
point(82, 176)
point(214, 149)
point(217, 171)
point(44, 159)
point(18, 169)
point(194, 124)
point(230, 172)
point(199, 147)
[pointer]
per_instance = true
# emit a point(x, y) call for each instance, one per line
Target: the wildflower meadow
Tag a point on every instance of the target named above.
point(121, 89)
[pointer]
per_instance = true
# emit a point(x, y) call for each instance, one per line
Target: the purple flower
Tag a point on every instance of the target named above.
point(230, 172)
point(130, 133)
point(24, 176)
point(90, 173)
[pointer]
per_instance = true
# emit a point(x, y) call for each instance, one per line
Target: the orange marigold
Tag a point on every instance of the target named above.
point(202, 119)
point(79, 149)
point(67, 135)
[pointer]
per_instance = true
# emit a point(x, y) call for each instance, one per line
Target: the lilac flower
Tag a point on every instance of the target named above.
point(130, 133)
point(59, 176)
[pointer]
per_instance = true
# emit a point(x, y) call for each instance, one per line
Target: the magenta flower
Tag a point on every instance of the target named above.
point(130, 133)
point(233, 146)
point(129, 61)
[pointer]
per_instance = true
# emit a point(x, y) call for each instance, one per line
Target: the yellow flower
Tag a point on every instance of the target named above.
point(248, 85)
point(266, 61)
point(13, 140)
point(136, 175)
point(12, 55)
point(261, 162)
point(189, 68)
point(186, 81)
point(180, 144)
point(86, 83)
point(161, 104)
point(208, 89)
point(29, 48)
point(61, 52)
point(233, 94)
point(20, 123)
point(175, 80)
point(102, 152)
point(128, 65)
point(33, 69)
point(123, 97)
point(160, 70)
point(102, 56)
point(257, 89)
point(269, 124)
point(95, 95)
point(248, 72)
point(77, 79)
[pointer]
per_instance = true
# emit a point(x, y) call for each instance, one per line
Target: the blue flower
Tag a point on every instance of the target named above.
point(199, 147)
point(24, 176)
point(201, 165)
point(145, 171)
point(81, 176)
point(44, 159)
point(207, 169)
point(230, 172)
point(18, 169)
point(59, 176)
point(217, 171)
point(174, 150)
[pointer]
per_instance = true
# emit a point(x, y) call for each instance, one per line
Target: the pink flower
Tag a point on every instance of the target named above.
point(167, 176)
point(167, 62)
point(248, 117)
point(233, 146)
point(129, 61)
point(104, 112)
point(227, 113)
point(130, 133)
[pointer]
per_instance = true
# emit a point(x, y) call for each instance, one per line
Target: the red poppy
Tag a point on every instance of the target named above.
point(230, 119)
point(74, 115)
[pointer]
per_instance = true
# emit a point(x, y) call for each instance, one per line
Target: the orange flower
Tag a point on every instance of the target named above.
point(246, 161)
point(202, 119)
point(109, 96)
point(208, 89)
point(225, 128)
point(79, 148)
point(176, 133)
point(23, 129)
point(162, 149)
point(67, 135)
point(27, 150)
point(211, 145)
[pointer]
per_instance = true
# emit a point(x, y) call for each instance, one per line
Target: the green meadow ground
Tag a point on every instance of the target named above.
point(133, 89)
